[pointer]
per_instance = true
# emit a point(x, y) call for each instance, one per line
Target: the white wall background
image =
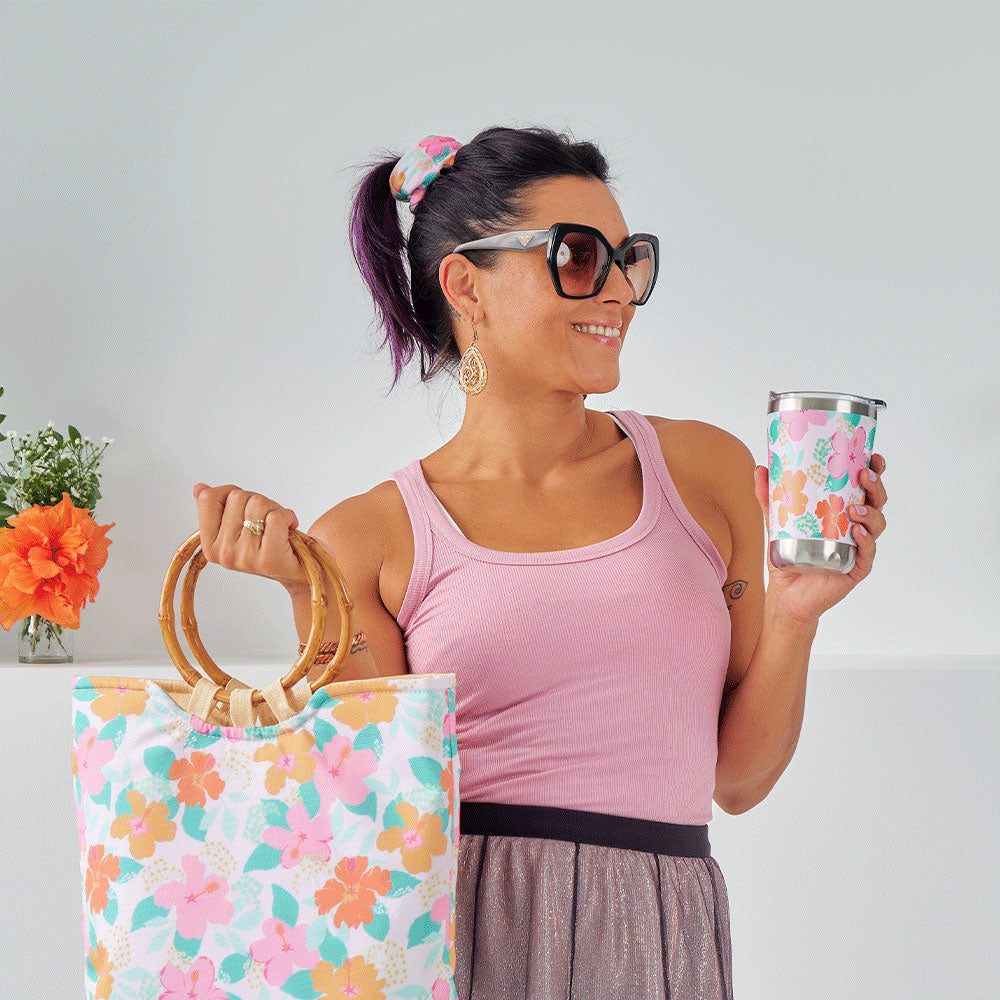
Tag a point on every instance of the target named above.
point(176, 275)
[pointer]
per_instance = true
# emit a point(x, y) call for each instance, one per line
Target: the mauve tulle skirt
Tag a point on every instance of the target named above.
point(564, 904)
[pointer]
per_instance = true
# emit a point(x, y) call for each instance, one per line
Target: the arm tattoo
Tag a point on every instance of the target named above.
point(734, 590)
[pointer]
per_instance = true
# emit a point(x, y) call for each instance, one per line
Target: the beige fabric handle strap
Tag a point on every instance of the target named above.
point(278, 704)
point(202, 700)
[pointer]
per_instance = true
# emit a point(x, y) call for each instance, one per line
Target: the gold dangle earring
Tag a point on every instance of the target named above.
point(472, 370)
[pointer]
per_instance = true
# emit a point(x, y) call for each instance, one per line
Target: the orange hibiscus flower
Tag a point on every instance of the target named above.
point(49, 560)
point(102, 870)
point(417, 841)
point(196, 778)
point(353, 892)
point(144, 824)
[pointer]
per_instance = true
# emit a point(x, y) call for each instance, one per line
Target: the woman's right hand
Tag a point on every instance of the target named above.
point(221, 513)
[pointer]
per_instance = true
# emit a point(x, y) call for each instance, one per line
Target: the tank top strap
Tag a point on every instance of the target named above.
point(416, 507)
point(645, 432)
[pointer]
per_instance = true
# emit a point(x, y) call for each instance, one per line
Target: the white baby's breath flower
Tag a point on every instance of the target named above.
point(86, 439)
point(50, 440)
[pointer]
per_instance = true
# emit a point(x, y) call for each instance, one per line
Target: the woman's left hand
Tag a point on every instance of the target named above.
point(806, 596)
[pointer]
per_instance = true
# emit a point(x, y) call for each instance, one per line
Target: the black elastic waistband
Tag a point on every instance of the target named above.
point(604, 829)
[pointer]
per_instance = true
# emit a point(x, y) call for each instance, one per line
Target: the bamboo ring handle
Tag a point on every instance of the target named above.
point(313, 557)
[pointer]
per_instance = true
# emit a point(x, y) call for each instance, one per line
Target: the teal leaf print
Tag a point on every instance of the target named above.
point(275, 812)
point(250, 920)
point(128, 869)
point(851, 419)
point(402, 883)
point(265, 858)
point(870, 442)
point(198, 741)
point(409, 728)
point(80, 723)
point(391, 815)
point(774, 429)
point(822, 450)
point(300, 985)
point(103, 798)
point(368, 844)
point(836, 484)
point(367, 808)
point(776, 468)
point(230, 824)
point(285, 906)
point(159, 939)
point(310, 798)
point(323, 732)
point(194, 823)
point(111, 910)
point(427, 771)
point(158, 761)
point(148, 914)
point(121, 803)
point(114, 730)
point(379, 926)
point(421, 929)
point(187, 946)
point(316, 933)
point(432, 955)
point(808, 526)
point(234, 968)
point(798, 460)
point(333, 950)
point(411, 992)
point(369, 738)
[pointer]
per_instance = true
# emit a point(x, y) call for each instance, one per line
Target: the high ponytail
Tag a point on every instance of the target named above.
point(479, 194)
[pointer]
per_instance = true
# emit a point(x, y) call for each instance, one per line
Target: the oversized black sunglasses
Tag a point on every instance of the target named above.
point(580, 257)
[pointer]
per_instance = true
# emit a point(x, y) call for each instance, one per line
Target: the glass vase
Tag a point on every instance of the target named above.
point(43, 641)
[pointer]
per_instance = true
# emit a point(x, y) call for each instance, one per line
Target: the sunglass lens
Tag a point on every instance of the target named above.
point(582, 259)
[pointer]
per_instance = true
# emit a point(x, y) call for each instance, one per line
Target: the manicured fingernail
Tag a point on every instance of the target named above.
point(860, 511)
point(873, 476)
point(861, 528)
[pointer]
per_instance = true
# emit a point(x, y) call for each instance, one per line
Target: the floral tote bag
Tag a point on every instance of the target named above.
point(311, 855)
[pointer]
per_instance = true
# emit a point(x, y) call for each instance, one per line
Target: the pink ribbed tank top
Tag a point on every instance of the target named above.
point(587, 678)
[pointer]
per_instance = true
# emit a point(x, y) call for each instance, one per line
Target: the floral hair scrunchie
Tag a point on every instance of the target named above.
point(420, 166)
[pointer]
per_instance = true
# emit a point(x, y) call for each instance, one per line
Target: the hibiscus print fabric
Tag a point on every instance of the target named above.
point(315, 858)
point(815, 458)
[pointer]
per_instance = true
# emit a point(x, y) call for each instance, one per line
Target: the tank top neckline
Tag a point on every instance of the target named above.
point(652, 498)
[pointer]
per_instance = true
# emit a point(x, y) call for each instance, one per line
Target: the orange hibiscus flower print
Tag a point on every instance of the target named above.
point(144, 825)
point(417, 840)
point(353, 892)
point(196, 778)
point(49, 560)
point(102, 870)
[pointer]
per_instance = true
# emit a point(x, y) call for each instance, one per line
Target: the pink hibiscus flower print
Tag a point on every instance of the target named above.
point(341, 770)
point(798, 421)
point(91, 756)
point(306, 836)
point(281, 949)
point(435, 145)
point(198, 983)
point(200, 900)
point(848, 455)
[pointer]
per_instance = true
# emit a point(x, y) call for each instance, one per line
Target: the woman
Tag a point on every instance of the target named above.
point(545, 558)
